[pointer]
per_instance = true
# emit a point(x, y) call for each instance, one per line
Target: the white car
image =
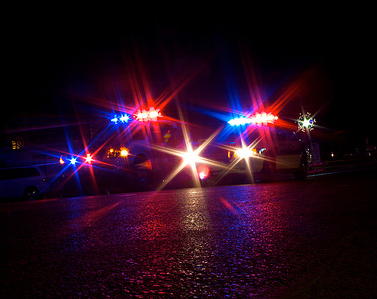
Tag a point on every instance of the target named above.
point(28, 182)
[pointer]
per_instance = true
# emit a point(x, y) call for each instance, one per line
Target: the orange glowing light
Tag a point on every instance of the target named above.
point(124, 152)
point(245, 152)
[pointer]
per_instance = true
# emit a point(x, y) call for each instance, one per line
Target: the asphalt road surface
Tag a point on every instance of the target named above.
point(288, 239)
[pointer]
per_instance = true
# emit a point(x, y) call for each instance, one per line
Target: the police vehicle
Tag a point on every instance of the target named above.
point(257, 147)
point(131, 152)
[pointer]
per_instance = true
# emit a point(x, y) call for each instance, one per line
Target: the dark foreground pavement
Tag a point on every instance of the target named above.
point(310, 239)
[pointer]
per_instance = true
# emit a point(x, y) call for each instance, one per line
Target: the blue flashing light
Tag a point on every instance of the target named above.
point(123, 118)
point(239, 121)
point(115, 119)
point(73, 160)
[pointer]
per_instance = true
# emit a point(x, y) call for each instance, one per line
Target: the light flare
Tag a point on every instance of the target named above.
point(245, 152)
point(190, 158)
point(73, 160)
point(89, 159)
point(124, 152)
point(242, 154)
point(305, 122)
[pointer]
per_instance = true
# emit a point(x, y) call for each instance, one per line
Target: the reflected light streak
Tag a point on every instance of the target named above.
point(140, 86)
point(77, 225)
point(229, 206)
point(165, 98)
point(251, 79)
point(287, 95)
point(87, 155)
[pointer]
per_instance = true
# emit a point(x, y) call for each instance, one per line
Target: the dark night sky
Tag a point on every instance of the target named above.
point(50, 66)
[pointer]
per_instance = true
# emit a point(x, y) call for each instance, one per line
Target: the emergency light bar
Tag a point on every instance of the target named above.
point(256, 119)
point(141, 115)
point(88, 159)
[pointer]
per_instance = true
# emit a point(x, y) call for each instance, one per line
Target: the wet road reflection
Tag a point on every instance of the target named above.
point(217, 241)
point(222, 241)
point(196, 260)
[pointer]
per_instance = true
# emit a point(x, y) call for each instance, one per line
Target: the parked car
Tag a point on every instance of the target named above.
point(27, 182)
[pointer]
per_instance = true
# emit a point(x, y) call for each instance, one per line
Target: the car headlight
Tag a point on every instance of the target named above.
point(245, 152)
point(124, 152)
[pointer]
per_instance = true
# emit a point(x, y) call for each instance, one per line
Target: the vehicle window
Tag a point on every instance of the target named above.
point(285, 134)
point(18, 173)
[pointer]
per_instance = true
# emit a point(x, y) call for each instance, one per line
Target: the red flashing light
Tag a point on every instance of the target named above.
point(263, 118)
point(203, 171)
point(146, 116)
point(89, 159)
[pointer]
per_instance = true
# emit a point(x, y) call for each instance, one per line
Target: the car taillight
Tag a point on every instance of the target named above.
point(203, 171)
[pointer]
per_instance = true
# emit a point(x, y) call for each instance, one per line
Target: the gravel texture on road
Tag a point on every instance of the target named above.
point(310, 239)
